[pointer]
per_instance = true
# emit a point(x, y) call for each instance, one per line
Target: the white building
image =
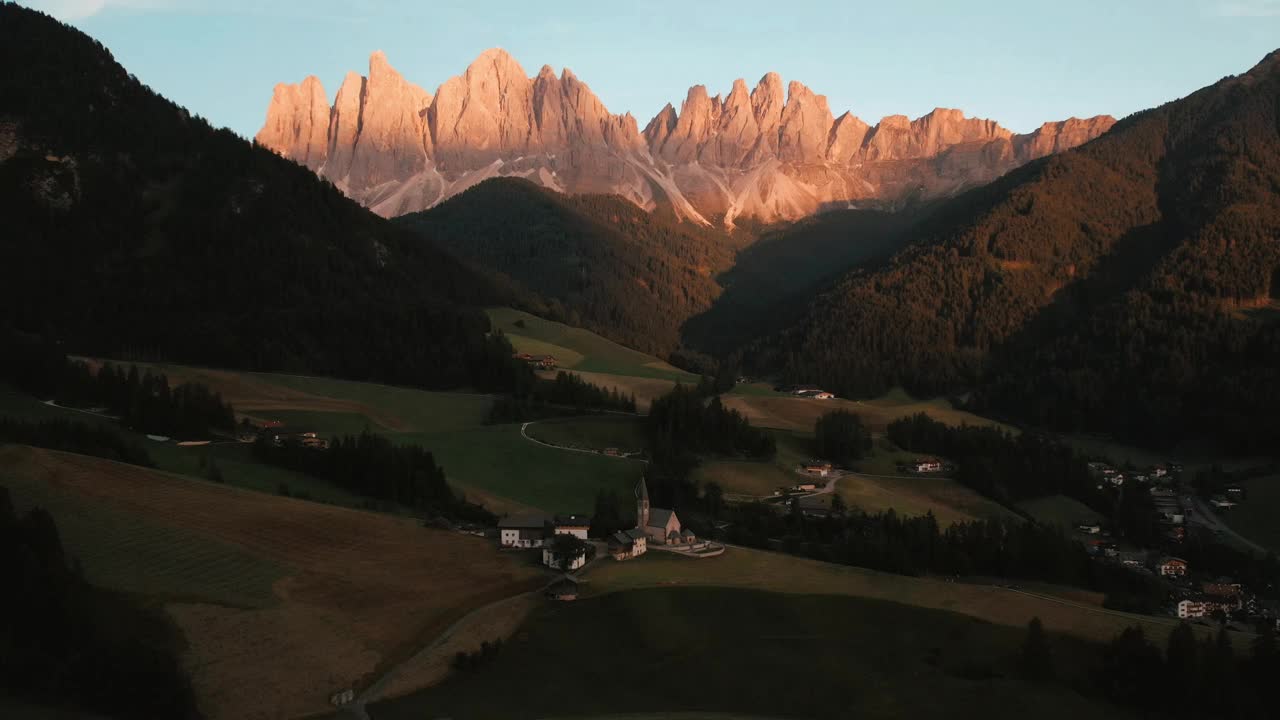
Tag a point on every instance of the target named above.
point(552, 559)
point(575, 525)
point(527, 530)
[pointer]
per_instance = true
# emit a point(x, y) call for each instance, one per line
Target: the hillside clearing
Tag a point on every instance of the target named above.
point(586, 351)
point(775, 572)
point(700, 651)
point(1059, 510)
point(355, 591)
point(786, 412)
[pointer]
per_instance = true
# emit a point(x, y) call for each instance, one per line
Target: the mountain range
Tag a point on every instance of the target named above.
point(767, 153)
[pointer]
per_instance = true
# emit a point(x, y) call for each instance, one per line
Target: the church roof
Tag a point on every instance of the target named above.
point(658, 517)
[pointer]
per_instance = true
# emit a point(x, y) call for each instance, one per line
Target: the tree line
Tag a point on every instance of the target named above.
point(568, 392)
point(997, 463)
point(372, 466)
point(74, 436)
point(692, 421)
point(141, 399)
point(66, 642)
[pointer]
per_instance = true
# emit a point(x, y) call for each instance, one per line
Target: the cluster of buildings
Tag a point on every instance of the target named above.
point(538, 362)
point(1161, 473)
point(654, 526)
point(1216, 596)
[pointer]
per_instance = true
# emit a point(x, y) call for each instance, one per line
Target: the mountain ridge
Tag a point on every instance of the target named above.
point(764, 153)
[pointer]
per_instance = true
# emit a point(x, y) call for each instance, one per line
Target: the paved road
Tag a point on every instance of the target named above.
point(597, 453)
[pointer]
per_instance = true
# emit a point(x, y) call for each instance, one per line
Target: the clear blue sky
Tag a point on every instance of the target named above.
point(1020, 63)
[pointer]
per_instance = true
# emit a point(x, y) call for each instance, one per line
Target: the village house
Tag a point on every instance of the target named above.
point(806, 485)
point(553, 559)
point(661, 525)
point(575, 525)
point(542, 362)
point(1204, 607)
point(627, 544)
point(1171, 567)
point(821, 468)
point(305, 438)
point(525, 530)
point(823, 396)
point(926, 465)
point(804, 390)
point(1221, 502)
point(1091, 529)
point(1223, 587)
point(563, 589)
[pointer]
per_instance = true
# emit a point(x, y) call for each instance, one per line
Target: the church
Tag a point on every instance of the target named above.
point(660, 526)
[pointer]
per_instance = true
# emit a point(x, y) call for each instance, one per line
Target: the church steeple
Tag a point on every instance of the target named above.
point(642, 505)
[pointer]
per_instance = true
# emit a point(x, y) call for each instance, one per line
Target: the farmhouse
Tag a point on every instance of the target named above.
point(821, 468)
point(305, 438)
point(823, 396)
point(526, 530)
point(660, 525)
point(1172, 567)
point(924, 465)
point(1089, 529)
point(553, 559)
point(806, 485)
point(575, 525)
point(1223, 587)
point(627, 544)
point(542, 362)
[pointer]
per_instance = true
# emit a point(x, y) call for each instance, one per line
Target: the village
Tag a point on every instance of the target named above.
point(1194, 593)
point(566, 544)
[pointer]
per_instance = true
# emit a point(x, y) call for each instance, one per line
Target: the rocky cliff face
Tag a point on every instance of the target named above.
point(761, 153)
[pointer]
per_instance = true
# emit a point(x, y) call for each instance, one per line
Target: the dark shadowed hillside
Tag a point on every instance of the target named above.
point(1129, 285)
point(134, 228)
point(773, 279)
point(598, 261)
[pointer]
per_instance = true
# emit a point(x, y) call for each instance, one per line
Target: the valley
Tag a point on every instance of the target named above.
point(481, 399)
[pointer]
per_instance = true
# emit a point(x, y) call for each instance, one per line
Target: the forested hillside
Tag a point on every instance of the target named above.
point(1129, 285)
point(597, 261)
point(132, 228)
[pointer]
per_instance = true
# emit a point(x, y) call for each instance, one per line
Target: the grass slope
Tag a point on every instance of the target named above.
point(347, 592)
point(594, 432)
point(774, 572)
point(786, 412)
point(586, 351)
point(752, 654)
point(1255, 518)
point(1060, 510)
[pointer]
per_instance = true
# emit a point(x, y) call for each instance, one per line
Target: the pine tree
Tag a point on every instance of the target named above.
point(1036, 657)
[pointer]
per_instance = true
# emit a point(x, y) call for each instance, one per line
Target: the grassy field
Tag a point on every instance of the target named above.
point(1255, 518)
point(754, 654)
point(774, 572)
point(1059, 510)
point(786, 412)
point(594, 432)
point(298, 597)
point(498, 462)
point(580, 349)
point(949, 501)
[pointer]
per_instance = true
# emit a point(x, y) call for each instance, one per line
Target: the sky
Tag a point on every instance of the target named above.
point(1019, 63)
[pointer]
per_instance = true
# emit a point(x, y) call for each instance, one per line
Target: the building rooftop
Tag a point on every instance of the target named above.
point(526, 520)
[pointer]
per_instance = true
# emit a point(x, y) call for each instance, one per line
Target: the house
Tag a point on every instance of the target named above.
point(544, 362)
point(1204, 606)
point(1235, 492)
point(553, 559)
point(627, 544)
point(806, 485)
point(1089, 529)
point(612, 452)
point(1171, 567)
point(821, 468)
point(563, 589)
point(1135, 559)
point(925, 465)
point(298, 437)
point(526, 530)
point(661, 525)
point(575, 525)
point(823, 396)
point(804, 390)
point(1223, 587)
point(1221, 502)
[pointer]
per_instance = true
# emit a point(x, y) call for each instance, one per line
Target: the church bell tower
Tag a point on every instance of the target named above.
point(642, 505)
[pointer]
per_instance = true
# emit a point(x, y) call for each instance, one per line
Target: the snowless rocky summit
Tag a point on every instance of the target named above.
point(760, 153)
